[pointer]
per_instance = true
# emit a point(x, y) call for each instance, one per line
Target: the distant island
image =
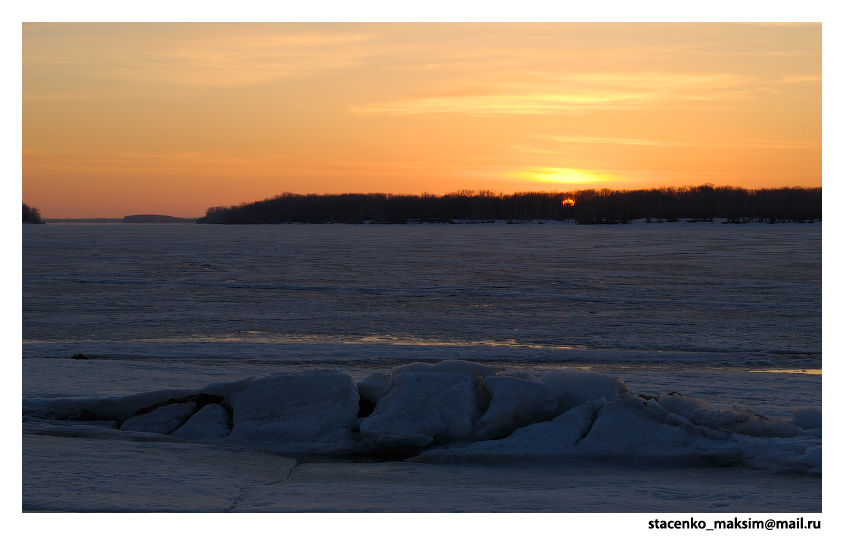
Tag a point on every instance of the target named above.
point(701, 203)
point(138, 218)
point(156, 218)
point(83, 220)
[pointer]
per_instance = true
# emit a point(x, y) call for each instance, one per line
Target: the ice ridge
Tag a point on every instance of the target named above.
point(455, 411)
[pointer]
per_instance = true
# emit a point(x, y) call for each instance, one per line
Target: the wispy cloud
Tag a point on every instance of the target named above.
point(801, 79)
point(808, 24)
point(529, 149)
point(611, 140)
point(224, 60)
point(40, 96)
point(245, 61)
point(545, 93)
point(761, 144)
point(519, 104)
point(171, 163)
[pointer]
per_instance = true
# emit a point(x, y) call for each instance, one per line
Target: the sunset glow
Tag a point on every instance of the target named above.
point(564, 176)
point(136, 118)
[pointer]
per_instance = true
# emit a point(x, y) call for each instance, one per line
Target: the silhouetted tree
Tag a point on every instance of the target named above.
point(31, 214)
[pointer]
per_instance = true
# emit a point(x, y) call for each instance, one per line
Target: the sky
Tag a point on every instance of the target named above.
point(173, 118)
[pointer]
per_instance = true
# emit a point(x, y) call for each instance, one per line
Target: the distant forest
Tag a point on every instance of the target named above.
point(701, 203)
point(31, 214)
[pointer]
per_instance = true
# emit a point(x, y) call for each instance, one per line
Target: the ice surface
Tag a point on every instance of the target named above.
point(312, 411)
point(449, 366)
point(807, 418)
point(667, 306)
point(798, 454)
point(515, 403)
point(745, 422)
point(420, 403)
point(554, 437)
point(681, 404)
point(110, 474)
point(120, 408)
point(117, 408)
point(658, 294)
point(517, 373)
point(631, 425)
point(558, 435)
point(211, 423)
point(421, 407)
point(733, 420)
point(584, 385)
point(226, 389)
point(162, 420)
point(775, 395)
point(374, 386)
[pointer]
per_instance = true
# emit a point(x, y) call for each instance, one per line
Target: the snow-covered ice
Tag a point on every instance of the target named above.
point(592, 457)
point(304, 412)
point(516, 402)
point(457, 411)
point(422, 406)
point(163, 420)
point(553, 437)
point(734, 420)
point(807, 418)
point(211, 423)
point(583, 385)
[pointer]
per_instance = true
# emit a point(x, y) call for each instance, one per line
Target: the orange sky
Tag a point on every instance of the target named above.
point(137, 118)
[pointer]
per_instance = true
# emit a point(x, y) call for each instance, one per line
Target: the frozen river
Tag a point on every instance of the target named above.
point(726, 314)
point(667, 295)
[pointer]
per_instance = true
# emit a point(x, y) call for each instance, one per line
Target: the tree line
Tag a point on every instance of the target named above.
point(31, 214)
point(701, 203)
